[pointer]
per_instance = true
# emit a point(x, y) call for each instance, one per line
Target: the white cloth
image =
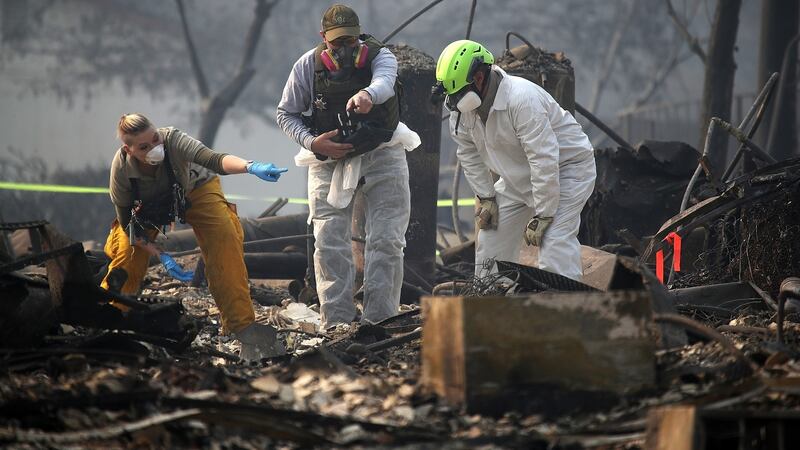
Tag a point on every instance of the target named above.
point(535, 146)
point(388, 208)
point(347, 172)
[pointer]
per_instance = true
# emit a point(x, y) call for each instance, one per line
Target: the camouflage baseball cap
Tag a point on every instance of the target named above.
point(340, 20)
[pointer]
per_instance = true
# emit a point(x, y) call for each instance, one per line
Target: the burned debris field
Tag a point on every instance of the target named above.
point(482, 256)
point(707, 360)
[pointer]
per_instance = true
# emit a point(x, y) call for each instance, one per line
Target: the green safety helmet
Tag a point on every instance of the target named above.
point(458, 62)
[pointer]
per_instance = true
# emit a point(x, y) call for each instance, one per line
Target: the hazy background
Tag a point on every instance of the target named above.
point(70, 68)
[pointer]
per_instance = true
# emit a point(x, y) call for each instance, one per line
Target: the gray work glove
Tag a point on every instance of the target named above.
point(259, 341)
point(534, 231)
point(487, 213)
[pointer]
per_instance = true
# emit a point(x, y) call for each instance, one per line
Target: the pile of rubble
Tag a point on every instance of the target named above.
point(361, 385)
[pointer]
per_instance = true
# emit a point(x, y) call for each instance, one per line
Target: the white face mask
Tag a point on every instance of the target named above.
point(469, 102)
point(155, 155)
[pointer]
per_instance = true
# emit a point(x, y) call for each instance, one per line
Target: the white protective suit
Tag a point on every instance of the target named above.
point(546, 167)
point(331, 186)
point(330, 190)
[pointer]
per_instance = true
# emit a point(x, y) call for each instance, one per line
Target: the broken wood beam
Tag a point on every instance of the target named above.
point(278, 266)
point(727, 295)
point(548, 352)
point(672, 428)
point(688, 427)
point(464, 252)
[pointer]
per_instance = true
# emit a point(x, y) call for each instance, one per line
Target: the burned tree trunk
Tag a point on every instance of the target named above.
point(611, 55)
point(779, 25)
point(720, 72)
point(216, 105)
point(416, 73)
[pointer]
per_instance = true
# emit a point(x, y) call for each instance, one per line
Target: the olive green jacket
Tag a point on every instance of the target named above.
point(192, 162)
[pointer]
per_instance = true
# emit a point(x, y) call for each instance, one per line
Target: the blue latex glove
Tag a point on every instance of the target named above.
point(174, 269)
point(265, 171)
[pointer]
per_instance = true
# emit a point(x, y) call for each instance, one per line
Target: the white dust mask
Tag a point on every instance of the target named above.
point(155, 155)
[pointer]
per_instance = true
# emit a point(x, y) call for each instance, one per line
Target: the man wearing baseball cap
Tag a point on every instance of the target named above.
point(347, 82)
point(338, 21)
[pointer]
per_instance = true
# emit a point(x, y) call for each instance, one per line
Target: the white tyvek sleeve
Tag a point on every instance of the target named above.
point(384, 74)
point(540, 144)
point(475, 170)
point(296, 99)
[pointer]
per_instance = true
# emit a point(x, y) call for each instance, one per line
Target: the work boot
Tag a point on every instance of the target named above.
point(259, 341)
point(116, 279)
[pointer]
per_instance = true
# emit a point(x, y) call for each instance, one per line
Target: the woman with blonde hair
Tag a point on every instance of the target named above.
point(160, 175)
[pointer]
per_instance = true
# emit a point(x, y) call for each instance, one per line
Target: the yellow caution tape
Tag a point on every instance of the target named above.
point(66, 189)
point(52, 188)
point(448, 202)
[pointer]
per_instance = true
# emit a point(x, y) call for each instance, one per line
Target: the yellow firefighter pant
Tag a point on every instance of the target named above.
point(219, 235)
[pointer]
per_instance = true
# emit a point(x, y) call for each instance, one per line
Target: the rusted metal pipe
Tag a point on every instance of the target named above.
point(448, 287)
point(274, 208)
point(602, 126)
point(712, 124)
point(758, 108)
point(253, 245)
point(740, 136)
point(745, 140)
point(471, 18)
point(410, 19)
point(521, 38)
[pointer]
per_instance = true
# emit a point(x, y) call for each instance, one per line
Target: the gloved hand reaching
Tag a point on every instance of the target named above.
point(487, 213)
point(265, 171)
point(174, 269)
point(534, 231)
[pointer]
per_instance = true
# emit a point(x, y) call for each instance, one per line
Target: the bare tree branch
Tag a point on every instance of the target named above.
point(658, 79)
point(266, 117)
point(262, 13)
point(18, 29)
point(218, 105)
point(197, 69)
point(675, 60)
point(610, 57)
point(694, 43)
point(228, 94)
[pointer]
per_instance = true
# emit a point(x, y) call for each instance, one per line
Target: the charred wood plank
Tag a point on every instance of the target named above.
point(672, 427)
point(686, 427)
point(106, 433)
point(728, 295)
point(585, 347)
point(281, 266)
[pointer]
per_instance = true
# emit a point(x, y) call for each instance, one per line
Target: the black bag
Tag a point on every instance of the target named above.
point(366, 138)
